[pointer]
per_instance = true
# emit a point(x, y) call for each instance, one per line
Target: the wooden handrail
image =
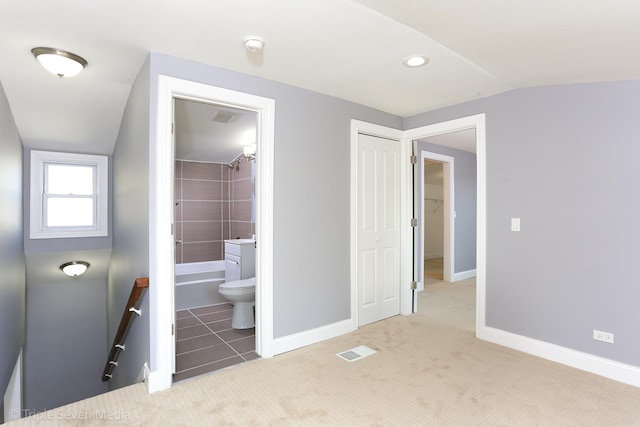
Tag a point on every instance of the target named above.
point(118, 342)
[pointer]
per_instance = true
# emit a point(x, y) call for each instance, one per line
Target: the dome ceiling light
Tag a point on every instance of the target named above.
point(74, 268)
point(59, 62)
point(253, 44)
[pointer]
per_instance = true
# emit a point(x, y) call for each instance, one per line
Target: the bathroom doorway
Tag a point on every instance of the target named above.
point(214, 178)
point(161, 219)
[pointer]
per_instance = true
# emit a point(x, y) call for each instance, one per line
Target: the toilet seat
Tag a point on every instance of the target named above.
point(239, 284)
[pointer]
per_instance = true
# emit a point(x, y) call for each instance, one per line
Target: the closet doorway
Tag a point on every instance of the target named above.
point(433, 217)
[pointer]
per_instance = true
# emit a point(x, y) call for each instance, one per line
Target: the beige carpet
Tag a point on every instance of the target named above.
point(429, 371)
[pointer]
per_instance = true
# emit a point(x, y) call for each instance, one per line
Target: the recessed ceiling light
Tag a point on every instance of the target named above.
point(59, 62)
point(415, 61)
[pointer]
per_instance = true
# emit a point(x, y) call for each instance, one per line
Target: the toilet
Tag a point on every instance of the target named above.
point(242, 294)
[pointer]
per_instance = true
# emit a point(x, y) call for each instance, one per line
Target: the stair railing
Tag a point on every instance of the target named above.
point(130, 309)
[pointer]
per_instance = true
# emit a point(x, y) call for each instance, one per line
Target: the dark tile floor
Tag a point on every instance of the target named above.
point(206, 342)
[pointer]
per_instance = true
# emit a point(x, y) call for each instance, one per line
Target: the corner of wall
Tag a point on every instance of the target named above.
point(12, 261)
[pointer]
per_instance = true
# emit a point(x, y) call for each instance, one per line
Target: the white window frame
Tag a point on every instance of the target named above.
point(39, 159)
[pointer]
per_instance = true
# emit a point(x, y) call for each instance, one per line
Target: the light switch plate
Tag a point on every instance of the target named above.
point(515, 224)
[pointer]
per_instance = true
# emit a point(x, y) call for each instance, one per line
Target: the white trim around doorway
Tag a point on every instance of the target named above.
point(161, 239)
point(476, 122)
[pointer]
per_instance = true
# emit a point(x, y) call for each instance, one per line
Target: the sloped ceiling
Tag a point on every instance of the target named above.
point(351, 49)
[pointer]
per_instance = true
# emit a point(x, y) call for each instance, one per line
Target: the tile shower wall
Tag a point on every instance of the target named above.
point(241, 220)
point(212, 203)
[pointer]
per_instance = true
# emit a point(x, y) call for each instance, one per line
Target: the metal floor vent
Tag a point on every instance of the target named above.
point(356, 353)
point(221, 116)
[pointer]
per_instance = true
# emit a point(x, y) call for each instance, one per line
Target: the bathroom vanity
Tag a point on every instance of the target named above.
point(239, 259)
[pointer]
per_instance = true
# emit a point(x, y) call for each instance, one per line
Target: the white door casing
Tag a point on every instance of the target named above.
point(378, 228)
point(476, 122)
point(161, 239)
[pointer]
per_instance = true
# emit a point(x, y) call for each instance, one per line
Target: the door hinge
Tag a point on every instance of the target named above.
point(173, 329)
point(171, 128)
point(414, 222)
point(414, 160)
point(414, 285)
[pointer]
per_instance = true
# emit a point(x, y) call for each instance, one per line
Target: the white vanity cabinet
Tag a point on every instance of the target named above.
point(239, 259)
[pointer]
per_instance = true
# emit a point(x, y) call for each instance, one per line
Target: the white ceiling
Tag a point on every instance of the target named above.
point(351, 49)
point(200, 138)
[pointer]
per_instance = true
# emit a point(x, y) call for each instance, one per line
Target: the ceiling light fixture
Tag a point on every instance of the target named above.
point(249, 151)
point(74, 268)
point(59, 62)
point(415, 61)
point(248, 154)
point(253, 44)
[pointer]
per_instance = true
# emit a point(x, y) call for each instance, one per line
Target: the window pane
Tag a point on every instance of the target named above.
point(68, 212)
point(70, 179)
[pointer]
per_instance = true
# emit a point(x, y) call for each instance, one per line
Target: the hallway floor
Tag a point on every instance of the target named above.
point(433, 268)
point(206, 342)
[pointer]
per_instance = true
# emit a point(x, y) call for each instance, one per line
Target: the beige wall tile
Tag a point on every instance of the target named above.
point(243, 172)
point(203, 231)
point(226, 211)
point(241, 190)
point(241, 211)
point(177, 211)
point(201, 211)
point(177, 189)
point(196, 170)
point(202, 190)
point(240, 230)
point(198, 252)
point(205, 214)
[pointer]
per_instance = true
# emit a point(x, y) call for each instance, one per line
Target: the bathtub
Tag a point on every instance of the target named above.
point(197, 284)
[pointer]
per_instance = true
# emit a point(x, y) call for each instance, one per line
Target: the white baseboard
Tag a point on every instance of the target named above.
point(608, 368)
point(143, 375)
point(156, 381)
point(303, 339)
point(464, 275)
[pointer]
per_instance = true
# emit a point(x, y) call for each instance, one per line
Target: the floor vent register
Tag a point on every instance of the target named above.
point(356, 353)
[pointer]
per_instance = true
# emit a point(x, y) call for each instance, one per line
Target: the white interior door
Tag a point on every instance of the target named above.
point(378, 229)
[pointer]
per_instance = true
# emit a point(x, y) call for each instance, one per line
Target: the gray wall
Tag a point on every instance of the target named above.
point(65, 348)
point(311, 229)
point(465, 184)
point(564, 159)
point(12, 263)
point(66, 319)
point(130, 252)
point(62, 314)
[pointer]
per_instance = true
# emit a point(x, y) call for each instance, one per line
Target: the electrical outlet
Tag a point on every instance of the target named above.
point(515, 224)
point(603, 336)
